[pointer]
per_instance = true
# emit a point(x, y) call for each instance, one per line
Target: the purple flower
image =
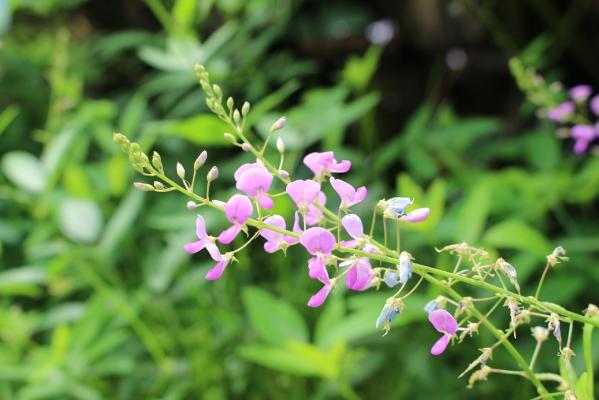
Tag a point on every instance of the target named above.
point(445, 323)
point(276, 240)
point(583, 135)
point(320, 243)
point(359, 276)
point(217, 271)
point(595, 105)
point(353, 226)
point(204, 241)
point(418, 215)
point(255, 181)
point(313, 213)
point(562, 112)
point(237, 210)
point(580, 93)
point(320, 296)
point(303, 192)
point(349, 196)
point(323, 164)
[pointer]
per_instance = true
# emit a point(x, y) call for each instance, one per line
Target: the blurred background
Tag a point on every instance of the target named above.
point(97, 298)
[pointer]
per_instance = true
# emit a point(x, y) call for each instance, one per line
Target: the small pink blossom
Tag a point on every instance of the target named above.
point(360, 274)
point(317, 299)
point(217, 271)
point(353, 226)
point(445, 323)
point(255, 181)
point(418, 215)
point(237, 210)
point(303, 192)
point(276, 240)
point(320, 243)
point(583, 136)
point(580, 93)
point(205, 241)
point(562, 112)
point(348, 194)
point(323, 164)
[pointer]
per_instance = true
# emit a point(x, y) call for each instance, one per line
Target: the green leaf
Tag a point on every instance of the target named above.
point(291, 360)
point(203, 129)
point(79, 220)
point(274, 320)
point(24, 281)
point(473, 214)
point(584, 387)
point(517, 235)
point(24, 170)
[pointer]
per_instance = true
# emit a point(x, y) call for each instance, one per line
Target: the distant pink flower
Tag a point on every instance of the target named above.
point(595, 105)
point(418, 215)
point(205, 241)
point(323, 164)
point(303, 192)
point(255, 181)
point(353, 226)
point(237, 210)
point(583, 136)
point(313, 213)
point(348, 194)
point(445, 323)
point(580, 93)
point(320, 243)
point(562, 112)
point(276, 240)
point(217, 271)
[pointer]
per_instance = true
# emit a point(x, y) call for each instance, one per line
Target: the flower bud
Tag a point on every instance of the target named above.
point(122, 140)
point(236, 117)
point(283, 174)
point(191, 205)
point(217, 91)
point(230, 103)
point(143, 186)
point(201, 160)
point(157, 161)
point(229, 138)
point(158, 185)
point(245, 109)
point(540, 333)
point(246, 147)
point(180, 171)
point(212, 174)
point(280, 145)
point(591, 311)
point(279, 124)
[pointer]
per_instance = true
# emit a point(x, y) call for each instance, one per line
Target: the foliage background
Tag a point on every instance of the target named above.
point(97, 300)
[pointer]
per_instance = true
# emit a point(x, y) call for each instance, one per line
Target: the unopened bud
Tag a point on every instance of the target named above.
point(230, 138)
point(217, 91)
point(201, 160)
point(230, 103)
point(279, 124)
point(236, 117)
point(191, 205)
point(246, 147)
point(280, 145)
point(122, 140)
point(591, 311)
point(540, 333)
point(143, 186)
point(283, 174)
point(245, 109)
point(212, 174)
point(180, 171)
point(157, 161)
point(158, 185)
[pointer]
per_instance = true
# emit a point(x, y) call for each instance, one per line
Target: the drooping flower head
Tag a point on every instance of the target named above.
point(390, 310)
point(353, 226)
point(405, 267)
point(360, 274)
point(391, 278)
point(445, 323)
point(276, 240)
point(580, 93)
point(562, 112)
point(237, 210)
point(583, 136)
point(303, 192)
point(255, 181)
point(323, 164)
point(347, 193)
point(204, 241)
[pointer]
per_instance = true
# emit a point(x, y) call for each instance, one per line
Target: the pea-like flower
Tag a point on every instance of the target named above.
point(583, 135)
point(390, 310)
point(354, 227)
point(276, 240)
point(360, 274)
point(255, 181)
point(237, 210)
point(347, 193)
point(217, 271)
point(303, 192)
point(320, 243)
point(396, 208)
point(323, 164)
point(204, 241)
point(391, 278)
point(445, 323)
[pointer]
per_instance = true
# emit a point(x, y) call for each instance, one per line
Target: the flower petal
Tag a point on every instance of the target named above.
point(443, 321)
point(340, 167)
point(217, 271)
point(440, 345)
point(353, 225)
point(213, 250)
point(201, 227)
point(194, 247)
point(418, 215)
point(320, 296)
point(318, 240)
point(229, 234)
point(238, 209)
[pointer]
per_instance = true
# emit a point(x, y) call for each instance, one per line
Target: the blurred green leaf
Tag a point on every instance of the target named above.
point(203, 129)
point(23, 281)
point(79, 220)
point(516, 234)
point(24, 170)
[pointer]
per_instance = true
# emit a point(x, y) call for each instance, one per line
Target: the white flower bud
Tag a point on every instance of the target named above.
point(230, 103)
point(180, 171)
point(229, 137)
point(284, 174)
point(236, 116)
point(280, 145)
point(201, 160)
point(279, 124)
point(191, 205)
point(246, 147)
point(212, 174)
point(158, 185)
point(143, 186)
point(245, 109)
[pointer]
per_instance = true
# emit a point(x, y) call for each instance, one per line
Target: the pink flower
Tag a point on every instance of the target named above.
point(204, 241)
point(359, 277)
point(313, 213)
point(349, 196)
point(583, 135)
point(323, 164)
point(276, 240)
point(580, 93)
point(303, 192)
point(255, 181)
point(320, 243)
point(562, 112)
point(418, 215)
point(217, 271)
point(445, 323)
point(237, 210)
point(595, 105)
point(353, 226)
